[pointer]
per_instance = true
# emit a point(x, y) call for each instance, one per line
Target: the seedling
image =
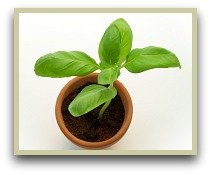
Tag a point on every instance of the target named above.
point(115, 53)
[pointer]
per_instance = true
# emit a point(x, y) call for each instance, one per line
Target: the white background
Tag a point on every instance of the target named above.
point(162, 98)
point(94, 165)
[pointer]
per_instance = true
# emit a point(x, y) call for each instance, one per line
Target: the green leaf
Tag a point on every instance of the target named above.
point(65, 64)
point(151, 57)
point(109, 48)
point(104, 65)
point(116, 42)
point(126, 38)
point(91, 97)
point(109, 75)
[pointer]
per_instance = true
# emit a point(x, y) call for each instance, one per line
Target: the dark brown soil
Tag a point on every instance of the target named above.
point(87, 127)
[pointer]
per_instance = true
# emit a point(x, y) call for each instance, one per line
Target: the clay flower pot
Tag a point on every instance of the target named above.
point(76, 83)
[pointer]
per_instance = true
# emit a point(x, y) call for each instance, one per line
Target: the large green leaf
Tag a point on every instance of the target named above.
point(91, 97)
point(65, 64)
point(151, 57)
point(109, 75)
point(126, 38)
point(109, 47)
point(116, 42)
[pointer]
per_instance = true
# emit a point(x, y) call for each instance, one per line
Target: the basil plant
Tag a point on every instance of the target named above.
point(115, 53)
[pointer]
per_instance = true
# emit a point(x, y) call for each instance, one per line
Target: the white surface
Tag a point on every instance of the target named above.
point(162, 98)
point(150, 165)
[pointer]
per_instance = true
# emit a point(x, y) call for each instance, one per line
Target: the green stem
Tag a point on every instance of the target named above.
point(104, 106)
point(123, 65)
point(103, 109)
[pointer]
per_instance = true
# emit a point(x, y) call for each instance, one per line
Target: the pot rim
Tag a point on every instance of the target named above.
point(125, 97)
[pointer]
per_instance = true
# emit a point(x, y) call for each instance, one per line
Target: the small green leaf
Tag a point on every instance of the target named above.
point(65, 64)
point(104, 65)
point(109, 75)
point(91, 97)
point(140, 60)
point(116, 42)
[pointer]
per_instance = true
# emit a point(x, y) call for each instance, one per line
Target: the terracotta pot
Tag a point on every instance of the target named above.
point(76, 83)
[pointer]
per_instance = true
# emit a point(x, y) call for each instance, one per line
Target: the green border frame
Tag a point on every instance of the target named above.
point(193, 11)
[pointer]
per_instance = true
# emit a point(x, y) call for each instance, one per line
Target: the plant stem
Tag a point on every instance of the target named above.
point(123, 65)
point(103, 109)
point(104, 106)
